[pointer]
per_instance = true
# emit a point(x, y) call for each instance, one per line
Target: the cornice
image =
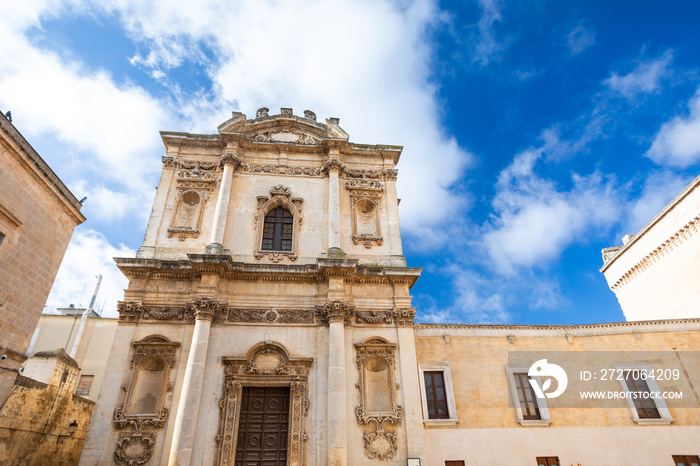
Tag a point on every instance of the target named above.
point(657, 218)
point(488, 330)
point(682, 235)
point(200, 264)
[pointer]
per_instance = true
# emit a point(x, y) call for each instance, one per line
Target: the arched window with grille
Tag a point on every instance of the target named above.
point(278, 230)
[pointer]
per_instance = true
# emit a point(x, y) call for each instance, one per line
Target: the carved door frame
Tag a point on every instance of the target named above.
point(266, 364)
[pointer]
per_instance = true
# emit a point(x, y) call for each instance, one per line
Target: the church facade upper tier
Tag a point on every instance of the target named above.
point(276, 189)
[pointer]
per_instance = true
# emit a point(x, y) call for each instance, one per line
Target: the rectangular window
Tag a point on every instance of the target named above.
point(686, 460)
point(84, 384)
point(547, 461)
point(529, 410)
point(2, 237)
point(647, 409)
point(454, 463)
point(526, 396)
point(437, 395)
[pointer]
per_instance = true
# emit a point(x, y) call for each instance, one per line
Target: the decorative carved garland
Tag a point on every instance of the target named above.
point(265, 364)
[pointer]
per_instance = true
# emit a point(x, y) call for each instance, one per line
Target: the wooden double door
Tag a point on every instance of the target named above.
point(263, 426)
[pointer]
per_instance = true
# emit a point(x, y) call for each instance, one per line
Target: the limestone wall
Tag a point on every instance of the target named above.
point(34, 422)
point(37, 218)
point(488, 430)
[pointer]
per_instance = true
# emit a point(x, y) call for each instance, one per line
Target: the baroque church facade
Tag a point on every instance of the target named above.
point(268, 320)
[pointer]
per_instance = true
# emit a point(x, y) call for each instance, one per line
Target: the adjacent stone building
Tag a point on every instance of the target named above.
point(654, 274)
point(43, 422)
point(268, 320)
point(37, 217)
point(61, 329)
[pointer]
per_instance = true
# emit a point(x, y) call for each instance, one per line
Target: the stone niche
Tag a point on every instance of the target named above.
point(378, 406)
point(143, 412)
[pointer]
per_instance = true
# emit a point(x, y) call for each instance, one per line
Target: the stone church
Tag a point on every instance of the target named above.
point(268, 321)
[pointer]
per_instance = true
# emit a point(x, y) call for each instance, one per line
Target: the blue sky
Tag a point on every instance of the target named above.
point(535, 133)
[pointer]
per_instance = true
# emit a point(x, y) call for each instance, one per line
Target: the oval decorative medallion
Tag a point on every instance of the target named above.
point(284, 137)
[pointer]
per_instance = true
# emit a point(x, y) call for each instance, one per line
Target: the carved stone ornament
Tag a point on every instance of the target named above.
point(385, 174)
point(134, 448)
point(404, 316)
point(229, 159)
point(172, 162)
point(280, 196)
point(366, 219)
point(130, 311)
point(285, 135)
point(265, 364)
point(335, 311)
point(281, 170)
point(207, 309)
point(374, 317)
point(332, 164)
point(376, 362)
point(144, 405)
point(262, 316)
point(367, 185)
point(186, 220)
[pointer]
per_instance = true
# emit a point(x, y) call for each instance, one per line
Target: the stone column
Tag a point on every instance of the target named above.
point(333, 166)
point(410, 385)
point(337, 312)
point(205, 310)
point(230, 163)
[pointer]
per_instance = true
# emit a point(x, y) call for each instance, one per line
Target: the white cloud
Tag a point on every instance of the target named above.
point(533, 221)
point(376, 80)
point(90, 254)
point(677, 143)
point(659, 189)
point(644, 79)
point(487, 47)
point(579, 39)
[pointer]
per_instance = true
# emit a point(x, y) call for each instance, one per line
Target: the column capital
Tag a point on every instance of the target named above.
point(332, 165)
point(229, 159)
point(206, 309)
point(335, 311)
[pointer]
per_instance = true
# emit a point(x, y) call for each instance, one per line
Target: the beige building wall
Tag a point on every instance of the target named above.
point(488, 431)
point(60, 331)
point(37, 217)
point(209, 313)
point(655, 273)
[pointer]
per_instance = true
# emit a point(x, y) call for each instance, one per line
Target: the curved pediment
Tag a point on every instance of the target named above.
point(285, 128)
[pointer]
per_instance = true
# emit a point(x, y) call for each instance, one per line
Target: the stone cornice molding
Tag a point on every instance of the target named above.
point(687, 191)
point(678, 238)
point(612, 328)
point(222, 265)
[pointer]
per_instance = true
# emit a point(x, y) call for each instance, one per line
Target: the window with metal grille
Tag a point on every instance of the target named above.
point(277, 231)
point(686, 460)
point(435, 395)
point(526, 397)
point(84, 384)
point(547, 461)
point(646, 407)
